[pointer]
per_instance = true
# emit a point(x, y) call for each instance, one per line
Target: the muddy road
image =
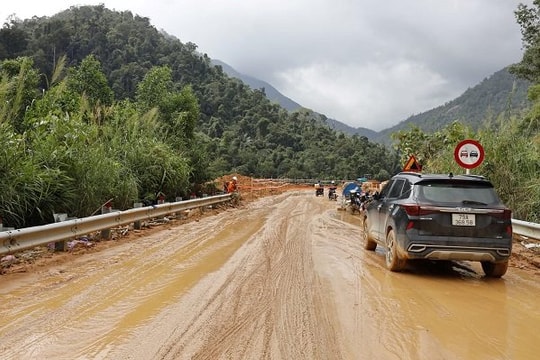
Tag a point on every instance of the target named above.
point(283, 277)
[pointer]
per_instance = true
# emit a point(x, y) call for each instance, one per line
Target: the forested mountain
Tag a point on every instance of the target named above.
point(501, 94)
point(360, 131)
point(127, 46)
point(271, 92)
point(98, 104)
point(274, 95)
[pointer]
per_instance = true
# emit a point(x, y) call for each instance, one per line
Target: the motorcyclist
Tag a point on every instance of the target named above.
point(332, 190)
point(355, 200)
point(319, 189)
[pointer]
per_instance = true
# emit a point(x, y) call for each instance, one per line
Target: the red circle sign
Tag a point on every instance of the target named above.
point(469, 154)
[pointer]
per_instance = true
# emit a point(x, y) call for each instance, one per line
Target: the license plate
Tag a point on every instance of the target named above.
point(463, 220)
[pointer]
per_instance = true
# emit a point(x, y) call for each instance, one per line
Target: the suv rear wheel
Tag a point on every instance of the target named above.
point(393, 261)
point(494, 269)
point(369, 244)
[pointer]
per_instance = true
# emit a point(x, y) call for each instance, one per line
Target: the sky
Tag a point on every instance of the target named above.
point(366, 63)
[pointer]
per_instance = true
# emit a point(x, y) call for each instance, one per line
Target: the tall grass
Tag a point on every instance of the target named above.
point(67, 156)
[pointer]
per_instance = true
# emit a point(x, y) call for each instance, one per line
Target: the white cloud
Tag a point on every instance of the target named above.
point(370, 94)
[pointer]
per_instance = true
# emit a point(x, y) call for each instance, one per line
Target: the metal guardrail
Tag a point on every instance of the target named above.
point(525, 228)
point(20, 239)
point(26, 238)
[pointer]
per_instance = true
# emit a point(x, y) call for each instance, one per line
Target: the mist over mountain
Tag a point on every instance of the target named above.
point(495, 98)
point(499, 94)
point(271, 93)
point(275, 96)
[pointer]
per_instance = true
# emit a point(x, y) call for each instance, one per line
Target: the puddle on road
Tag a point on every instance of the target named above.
point(344, 214)
point(204, 260)
point(440, 309)
point(128, 298)
point(472, 317)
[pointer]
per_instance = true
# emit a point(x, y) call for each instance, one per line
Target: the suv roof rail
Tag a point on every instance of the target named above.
point(410, 173)
point(475, 176)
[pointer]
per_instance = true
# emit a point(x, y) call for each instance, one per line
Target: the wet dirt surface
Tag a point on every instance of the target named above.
point(283, 277)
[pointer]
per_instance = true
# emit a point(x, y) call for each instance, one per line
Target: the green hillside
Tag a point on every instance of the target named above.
point(501, 94)
point(98, 104)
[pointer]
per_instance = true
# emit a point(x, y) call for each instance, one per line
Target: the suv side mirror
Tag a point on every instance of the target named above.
point(376, 196)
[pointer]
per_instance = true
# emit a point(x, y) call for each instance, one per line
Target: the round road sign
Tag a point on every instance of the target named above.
point(469, 154)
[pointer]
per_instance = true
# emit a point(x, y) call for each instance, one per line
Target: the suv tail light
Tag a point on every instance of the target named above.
point(418, 210)
point(505, 214)
point(509, 230)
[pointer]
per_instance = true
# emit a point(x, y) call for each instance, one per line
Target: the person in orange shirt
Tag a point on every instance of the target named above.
point(232, 186)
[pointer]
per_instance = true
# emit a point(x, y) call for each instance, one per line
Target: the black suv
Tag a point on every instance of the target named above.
point(440, 217)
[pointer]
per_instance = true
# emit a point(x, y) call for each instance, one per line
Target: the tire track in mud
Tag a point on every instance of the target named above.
point(377, 329)
point(208, 324)
point(370, 319)
point(273, 307)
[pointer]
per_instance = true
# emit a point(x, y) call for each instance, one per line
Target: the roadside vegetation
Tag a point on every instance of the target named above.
point(65, 151)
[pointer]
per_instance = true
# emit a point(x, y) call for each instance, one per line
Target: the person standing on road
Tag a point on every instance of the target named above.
point(232, 186)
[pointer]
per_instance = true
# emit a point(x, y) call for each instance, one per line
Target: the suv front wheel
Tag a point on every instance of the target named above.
point(495, 270)
point(393, 261)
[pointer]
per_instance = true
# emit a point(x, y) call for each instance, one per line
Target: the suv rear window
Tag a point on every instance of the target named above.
point(462, 192)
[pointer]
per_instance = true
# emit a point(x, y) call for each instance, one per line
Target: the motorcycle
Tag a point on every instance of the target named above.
point(357, 202)
point(332, 195)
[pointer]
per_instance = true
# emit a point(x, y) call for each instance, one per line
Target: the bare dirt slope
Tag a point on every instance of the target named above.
point(282, 277)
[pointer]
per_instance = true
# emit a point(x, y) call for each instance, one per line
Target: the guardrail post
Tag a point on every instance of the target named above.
point(105, 209)
point(137, 224)
point(207, 206)
point(2, 228)
point(60, 245)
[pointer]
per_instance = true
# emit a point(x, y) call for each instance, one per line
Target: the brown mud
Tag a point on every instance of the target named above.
point(277, 277)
